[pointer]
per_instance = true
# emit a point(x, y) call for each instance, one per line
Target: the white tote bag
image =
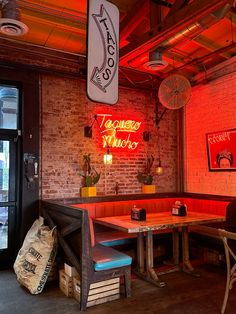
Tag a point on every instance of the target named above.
point(36, 256)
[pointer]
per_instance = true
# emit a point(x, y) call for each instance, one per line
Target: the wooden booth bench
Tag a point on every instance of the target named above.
point(195, 203)
point(118, 205)
point(110, 237)
point(94, 263)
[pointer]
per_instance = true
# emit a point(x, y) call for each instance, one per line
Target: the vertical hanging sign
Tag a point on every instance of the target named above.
point(102, 51)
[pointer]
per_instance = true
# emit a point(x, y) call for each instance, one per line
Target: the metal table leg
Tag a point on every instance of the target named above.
point(140, 252)
point(175, 236)
point(145, 270)
point(149, 261)
point(187, 267)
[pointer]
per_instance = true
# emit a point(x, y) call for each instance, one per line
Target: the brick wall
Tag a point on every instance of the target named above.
point(212, 108)
point(65, 112)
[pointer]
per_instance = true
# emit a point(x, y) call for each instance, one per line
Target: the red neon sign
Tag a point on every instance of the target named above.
point(118, 133)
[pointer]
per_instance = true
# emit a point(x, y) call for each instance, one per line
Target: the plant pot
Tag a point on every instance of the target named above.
point(149, 188)
point(88, 191)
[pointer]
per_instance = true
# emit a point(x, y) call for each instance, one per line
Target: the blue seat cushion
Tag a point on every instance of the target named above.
point(115, 238)
point(108, 258)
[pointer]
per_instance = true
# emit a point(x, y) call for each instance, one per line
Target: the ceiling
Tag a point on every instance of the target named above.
point(189, 36)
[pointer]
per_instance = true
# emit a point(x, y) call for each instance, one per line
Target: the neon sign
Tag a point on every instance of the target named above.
point(118, 133)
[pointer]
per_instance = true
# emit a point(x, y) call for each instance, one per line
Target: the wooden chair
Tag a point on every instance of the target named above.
point(93, 264)
point(230, 254)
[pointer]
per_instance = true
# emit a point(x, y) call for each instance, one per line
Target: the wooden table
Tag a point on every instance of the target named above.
point(159, 221)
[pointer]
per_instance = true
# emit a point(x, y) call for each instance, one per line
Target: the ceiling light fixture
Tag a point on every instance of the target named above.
point(10, 23)
point(155, 62)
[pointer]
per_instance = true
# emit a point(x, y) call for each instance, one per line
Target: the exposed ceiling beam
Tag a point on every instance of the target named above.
point(163, 3)
point(210, 45)
point(155, 14)
point(231, 17)
point(133, 18)
point(203, 58)
point(183, 18)
point(174, 58)
point(178, 4)
point(52, 16)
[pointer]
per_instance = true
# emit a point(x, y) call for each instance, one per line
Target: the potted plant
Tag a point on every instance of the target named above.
point(90, 177)
point(146, 177)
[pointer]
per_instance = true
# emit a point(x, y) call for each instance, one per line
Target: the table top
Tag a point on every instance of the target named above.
point(157, 221)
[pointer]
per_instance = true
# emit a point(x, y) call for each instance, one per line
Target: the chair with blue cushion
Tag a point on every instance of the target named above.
point(93, 263)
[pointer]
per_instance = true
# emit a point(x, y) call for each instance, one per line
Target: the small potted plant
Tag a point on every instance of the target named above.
point(90, 178)
point(146, 177)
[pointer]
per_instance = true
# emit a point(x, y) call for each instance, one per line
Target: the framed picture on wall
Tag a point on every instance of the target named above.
point(221, 150)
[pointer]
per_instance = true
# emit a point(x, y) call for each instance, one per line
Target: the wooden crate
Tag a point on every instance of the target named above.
point(66, 283)
point(70, 270)
point(100, 292)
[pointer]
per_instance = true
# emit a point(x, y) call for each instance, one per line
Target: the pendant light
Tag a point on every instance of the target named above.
point(159, 169)
point(107, 158)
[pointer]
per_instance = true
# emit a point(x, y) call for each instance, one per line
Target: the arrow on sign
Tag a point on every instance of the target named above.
point(103, 76)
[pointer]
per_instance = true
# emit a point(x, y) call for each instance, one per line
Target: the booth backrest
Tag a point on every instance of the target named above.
point(119, 208)
point(206, 206)
point(108, 236)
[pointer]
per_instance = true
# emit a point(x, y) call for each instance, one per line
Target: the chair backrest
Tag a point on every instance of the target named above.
point(229, 239)
point(73, 234)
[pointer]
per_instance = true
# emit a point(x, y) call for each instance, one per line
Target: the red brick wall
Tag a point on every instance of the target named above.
point(65, 112)
point(212, 108)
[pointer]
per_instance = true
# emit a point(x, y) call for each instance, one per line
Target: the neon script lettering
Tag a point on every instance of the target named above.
point(113, 129)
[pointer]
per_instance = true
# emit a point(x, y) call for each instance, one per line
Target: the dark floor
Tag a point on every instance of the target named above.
point(183, 294)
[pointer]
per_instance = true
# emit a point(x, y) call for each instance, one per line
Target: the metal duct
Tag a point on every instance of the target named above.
point(188, 33)
point(195, 29)
point(10, 23)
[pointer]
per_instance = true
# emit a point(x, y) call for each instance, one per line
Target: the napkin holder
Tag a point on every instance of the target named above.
point(138, 214)
point(179, 209)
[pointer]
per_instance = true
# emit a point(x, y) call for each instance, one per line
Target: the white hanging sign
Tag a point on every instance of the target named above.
point(103, 51)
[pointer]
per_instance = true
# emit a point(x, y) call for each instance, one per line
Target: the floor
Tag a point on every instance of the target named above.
point(183, 294)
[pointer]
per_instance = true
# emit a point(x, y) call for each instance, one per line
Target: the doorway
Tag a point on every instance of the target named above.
point(9, 169)
point(19, 158)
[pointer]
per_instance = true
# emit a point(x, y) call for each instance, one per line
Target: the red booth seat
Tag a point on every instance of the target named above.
point(119, 208)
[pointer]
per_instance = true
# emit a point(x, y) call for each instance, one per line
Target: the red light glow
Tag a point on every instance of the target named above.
point(138, 61)
point(119, 133)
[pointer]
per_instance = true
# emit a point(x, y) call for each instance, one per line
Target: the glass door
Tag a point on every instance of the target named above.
point(9, 144)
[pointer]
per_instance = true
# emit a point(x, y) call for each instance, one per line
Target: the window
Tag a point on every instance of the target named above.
point(9, 97)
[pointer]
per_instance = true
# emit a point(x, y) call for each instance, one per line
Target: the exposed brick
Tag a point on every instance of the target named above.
point(65, 112)
point(211, 109)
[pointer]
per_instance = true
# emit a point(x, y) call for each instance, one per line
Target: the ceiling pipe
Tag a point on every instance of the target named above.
point(202, 59)
point(195, 29)
point(188, 33)
point(10, 23)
